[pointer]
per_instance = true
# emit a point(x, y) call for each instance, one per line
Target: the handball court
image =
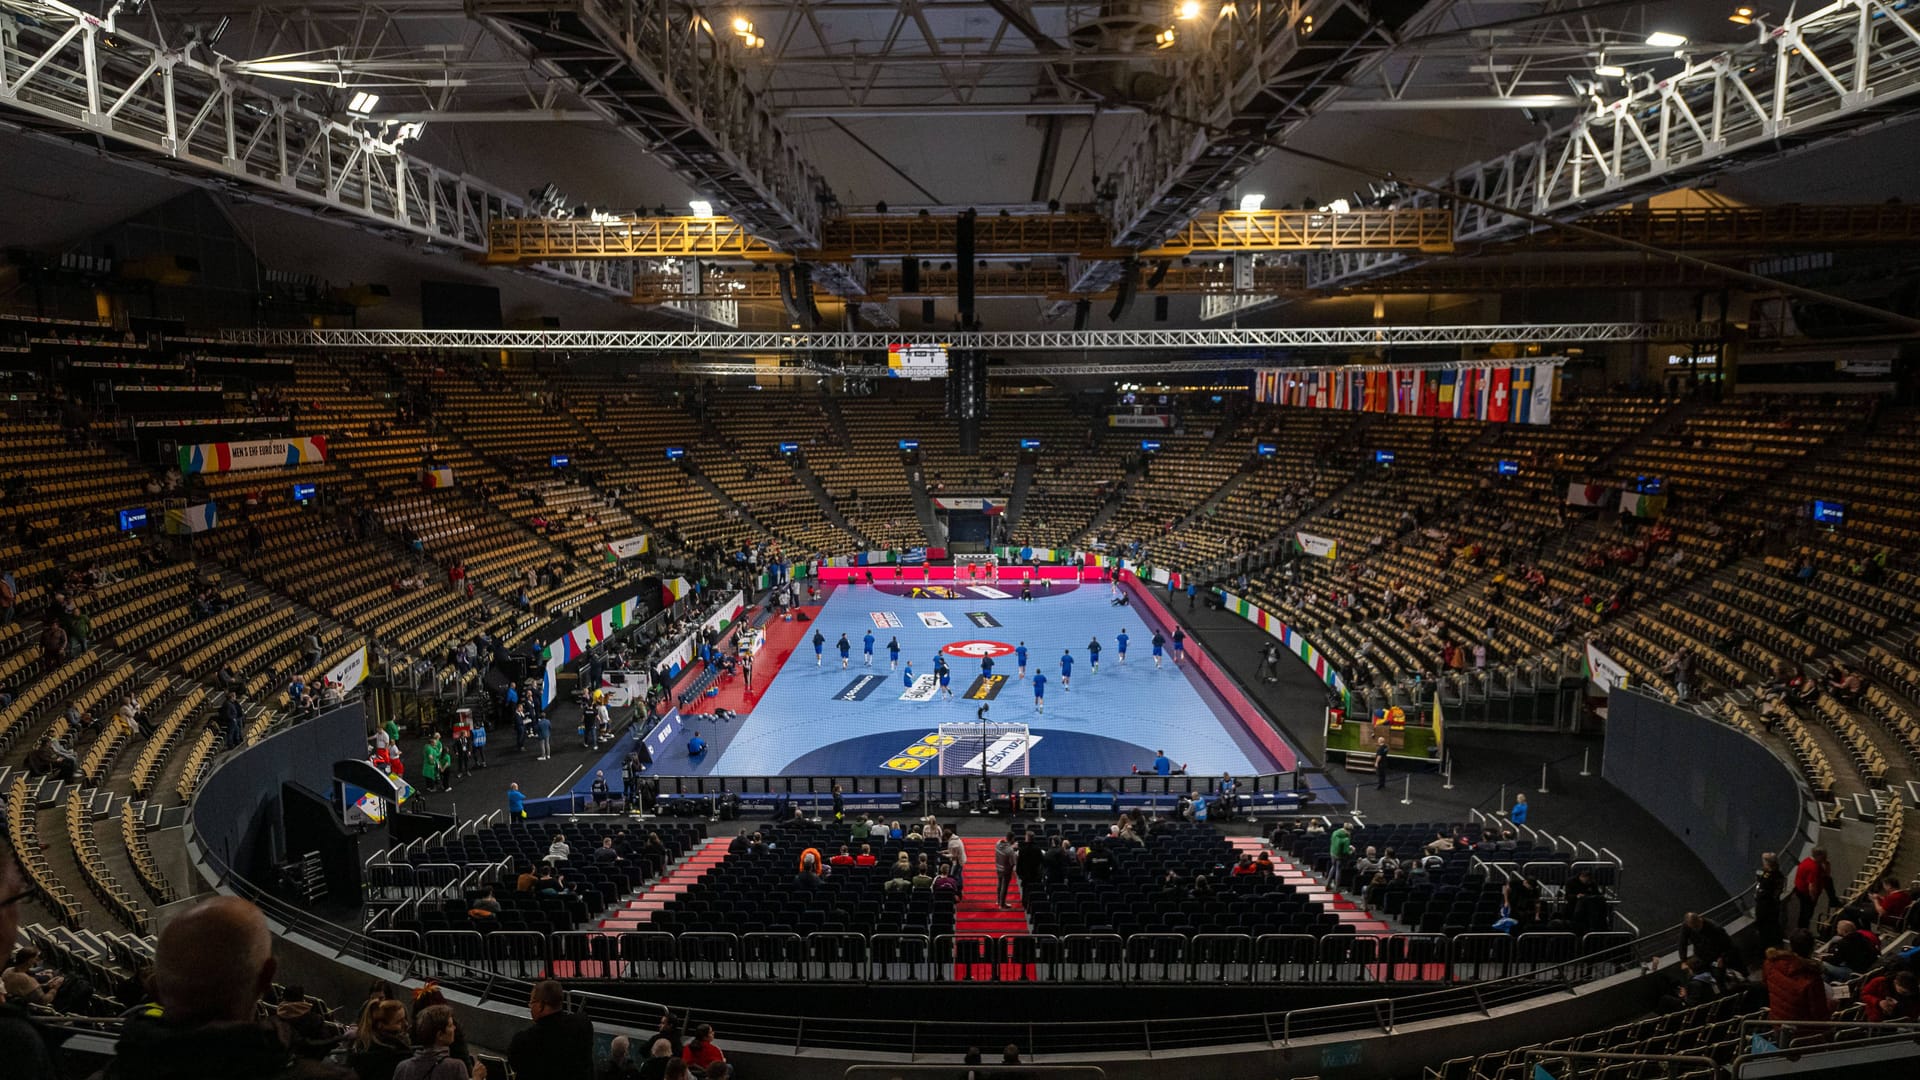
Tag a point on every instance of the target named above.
point(808, 718)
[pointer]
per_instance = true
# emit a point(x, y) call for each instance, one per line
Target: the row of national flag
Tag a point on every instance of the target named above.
point(1500, 394)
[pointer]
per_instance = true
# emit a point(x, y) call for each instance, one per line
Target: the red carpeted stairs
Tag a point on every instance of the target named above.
point(977, 914)
point(1364, 922)
point(635, 913)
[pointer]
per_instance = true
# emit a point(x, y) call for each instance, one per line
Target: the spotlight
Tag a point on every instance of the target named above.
point(1164, 39)
point(1250, 204)
point(363, 103)
point(1190, 10)
point(1742, 16)
point(742, 25)
point(1610, 71)
point(701, 208)
point(1662, 39)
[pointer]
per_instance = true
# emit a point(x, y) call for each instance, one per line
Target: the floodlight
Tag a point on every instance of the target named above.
point(1250, 204)
point(1662, 39)
point(701, 208)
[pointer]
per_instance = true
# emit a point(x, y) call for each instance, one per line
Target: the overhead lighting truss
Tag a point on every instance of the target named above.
point(1065, 341)
point(1818, 76)
point(65, 67)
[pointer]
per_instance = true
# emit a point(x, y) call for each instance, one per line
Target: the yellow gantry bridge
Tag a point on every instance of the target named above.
point(528, 240)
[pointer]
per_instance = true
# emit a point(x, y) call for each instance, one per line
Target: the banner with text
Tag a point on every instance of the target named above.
point(1318, 546)
point(1605, 672)
point(348, 673)
point(628, 548)
point(262, 454)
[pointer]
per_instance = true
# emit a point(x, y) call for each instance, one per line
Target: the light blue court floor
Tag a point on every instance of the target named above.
point(863, 720)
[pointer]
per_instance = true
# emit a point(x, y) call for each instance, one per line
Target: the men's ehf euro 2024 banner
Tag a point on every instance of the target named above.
point(1519, 393)
point(263, 454)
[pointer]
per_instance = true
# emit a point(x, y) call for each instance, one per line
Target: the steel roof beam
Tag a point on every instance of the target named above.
point(1071, 341)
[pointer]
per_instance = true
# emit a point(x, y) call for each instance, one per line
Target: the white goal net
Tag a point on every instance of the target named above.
point(998, 749)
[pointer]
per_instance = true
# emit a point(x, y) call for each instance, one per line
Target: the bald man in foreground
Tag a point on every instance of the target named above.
point(213, 963)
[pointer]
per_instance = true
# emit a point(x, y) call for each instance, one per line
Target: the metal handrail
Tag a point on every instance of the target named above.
point(347, 943)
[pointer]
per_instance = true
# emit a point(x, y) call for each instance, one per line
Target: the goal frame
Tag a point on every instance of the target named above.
point(970, 737)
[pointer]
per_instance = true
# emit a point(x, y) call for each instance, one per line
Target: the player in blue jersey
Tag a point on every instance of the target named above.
point(1179, 644)
point(1093, 655)
point(1020, 654)
point(986, 667)
point(1039, 691)
point(866, 647)
point(1159, 647)
point(946, 683)
point(819, 646)
point(845, 648)
point(1066, 669)
point(906, 677)
point(1120, 644)
point(893, 653)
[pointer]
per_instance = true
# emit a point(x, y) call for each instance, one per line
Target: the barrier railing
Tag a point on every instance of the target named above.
point(847, 957)
point(1539, 964)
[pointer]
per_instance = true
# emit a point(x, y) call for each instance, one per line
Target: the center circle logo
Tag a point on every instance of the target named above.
point(978, 649)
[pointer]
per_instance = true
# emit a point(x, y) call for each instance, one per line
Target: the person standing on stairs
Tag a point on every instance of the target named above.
point(957, 854)
point(1005, 855)
point(1028, 862)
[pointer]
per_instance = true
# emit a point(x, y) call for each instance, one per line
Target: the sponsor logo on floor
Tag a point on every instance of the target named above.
point(885, 620)
point(923, 689)
point(989, 592)
point(982, 619)
point(861, 688)
point(986, 688)
point(935, 592)
point(976, 649)
point(934, 620)
point(1005, 752)
point(919, 755)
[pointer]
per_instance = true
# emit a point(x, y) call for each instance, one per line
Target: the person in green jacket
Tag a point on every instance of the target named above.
point(393, 731)
point(433, 765)
point(1339, 850)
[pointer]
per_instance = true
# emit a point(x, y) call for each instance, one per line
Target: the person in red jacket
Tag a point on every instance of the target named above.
point(1891, 997)
point(1813, 877)
point(1796, 989)
point(700, 1052)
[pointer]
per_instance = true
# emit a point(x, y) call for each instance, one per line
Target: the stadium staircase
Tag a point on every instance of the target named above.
point(1106, 511)
point(635, 913)
point(915, 475)
point(1313, 889)
point(1017, 500)
point(706, 484)
point(977, 914)
point(828, 510)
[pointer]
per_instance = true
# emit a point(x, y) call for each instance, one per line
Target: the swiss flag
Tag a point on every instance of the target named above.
point(1499, 395)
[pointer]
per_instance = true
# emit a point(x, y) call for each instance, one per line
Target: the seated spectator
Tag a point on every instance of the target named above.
point(1851, 951)
point(1891, 900)
point(213, 963)
point(865, 858)
point(1891, 996)
point(380, 1041)
point(842, 858)
point(700, 1051)
point(659, 1054)
point(434, 1033)
point(559, 850)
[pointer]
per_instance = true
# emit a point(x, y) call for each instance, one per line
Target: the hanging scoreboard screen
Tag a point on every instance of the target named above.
point(917, 361)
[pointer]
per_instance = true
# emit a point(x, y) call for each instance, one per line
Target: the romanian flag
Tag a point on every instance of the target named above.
point(1448, 380)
